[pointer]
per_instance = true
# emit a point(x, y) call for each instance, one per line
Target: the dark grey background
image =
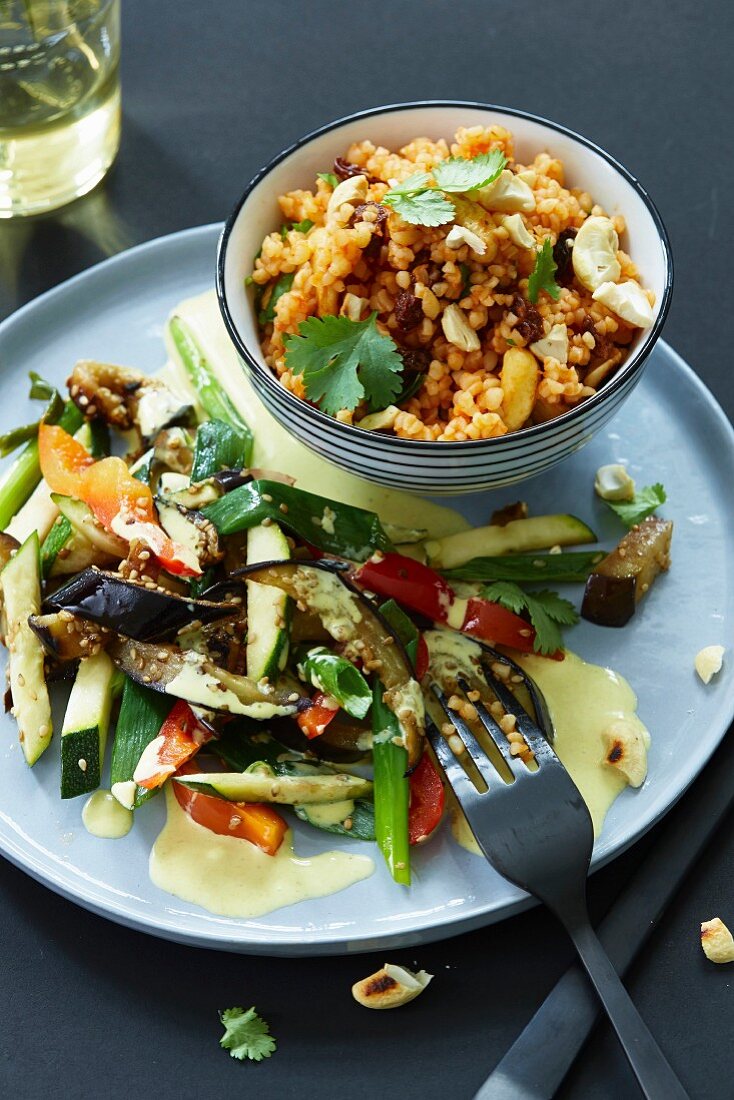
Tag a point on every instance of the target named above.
point(210, 93)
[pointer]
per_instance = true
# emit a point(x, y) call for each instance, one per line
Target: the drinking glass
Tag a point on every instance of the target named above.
point(59, 100)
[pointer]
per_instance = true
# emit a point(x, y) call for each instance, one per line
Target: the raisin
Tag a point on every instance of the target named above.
point(604, 348)
point(562, 255)
point(415, 360)
point(408, 311)
point(344, 169)
point(529, 322)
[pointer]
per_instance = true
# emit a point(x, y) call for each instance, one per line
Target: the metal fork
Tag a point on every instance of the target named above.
point(537, 832)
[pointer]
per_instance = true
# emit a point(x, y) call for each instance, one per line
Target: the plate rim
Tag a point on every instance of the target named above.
point(26, 854)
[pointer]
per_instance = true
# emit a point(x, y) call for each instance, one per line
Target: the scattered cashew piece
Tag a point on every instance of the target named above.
point(708, 662)
point(380, 421)
point(390, 987)
point(553, 344)
point(594, 254)
point(352, 190)
point(628, 300)
point(459, 235)
point(457, 329)
point(717, 941)
point(625, 751)
point(518, 231)
point(508, 193)
point(612, 482)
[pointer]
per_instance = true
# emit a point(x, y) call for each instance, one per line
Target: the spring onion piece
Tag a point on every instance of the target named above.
point(212, 397)
point(219, 446)
point(142, 713)
point(402, 626)
point(339, 678)
point(391, 789)
point(572, 566)
point(282, 286)
point(331, 526)
point(21, 478)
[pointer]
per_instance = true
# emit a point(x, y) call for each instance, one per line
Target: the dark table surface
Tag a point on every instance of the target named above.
point(210, 93)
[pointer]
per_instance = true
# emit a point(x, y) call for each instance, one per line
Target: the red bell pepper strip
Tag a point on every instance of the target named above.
point(181, 737)
point(316, 718)
point(427, 798)
point(421, 589)
point(120, 502)
point(253, 821)
point(422, 658)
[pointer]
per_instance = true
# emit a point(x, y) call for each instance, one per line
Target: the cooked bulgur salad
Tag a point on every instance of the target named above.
point(446, 291)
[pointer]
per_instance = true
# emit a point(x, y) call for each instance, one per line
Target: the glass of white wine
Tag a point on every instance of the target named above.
point(59, 100)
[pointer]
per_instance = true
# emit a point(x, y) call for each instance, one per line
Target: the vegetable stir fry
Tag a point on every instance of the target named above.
point(261, 647)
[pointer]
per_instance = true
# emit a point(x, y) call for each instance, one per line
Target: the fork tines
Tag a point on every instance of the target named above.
point(530, 731)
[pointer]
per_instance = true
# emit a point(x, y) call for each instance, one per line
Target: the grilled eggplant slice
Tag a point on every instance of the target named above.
point(131, 607)
point(622, 578)
point(190, 676)
point(66, 637)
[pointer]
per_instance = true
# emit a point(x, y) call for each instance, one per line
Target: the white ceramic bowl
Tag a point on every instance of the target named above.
point(440, 468)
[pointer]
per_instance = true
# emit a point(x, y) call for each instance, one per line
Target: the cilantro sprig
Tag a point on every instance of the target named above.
point(543, 274)
point(645, 501)
point(327, 177)
point(343, 362)
point(459, 174)
point(547, 611)
point(246, 1035)
point(421, 202)
point(418, 203)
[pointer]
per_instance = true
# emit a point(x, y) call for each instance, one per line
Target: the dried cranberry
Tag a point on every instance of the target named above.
point(344, 169)
point(529, 323)
point(563, 256)
point(381, 213)
point(408, 311)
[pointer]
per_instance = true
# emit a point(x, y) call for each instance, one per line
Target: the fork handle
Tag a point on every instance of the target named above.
point(648, 1063)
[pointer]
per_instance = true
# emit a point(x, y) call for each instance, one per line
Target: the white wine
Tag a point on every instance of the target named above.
point(59, 100)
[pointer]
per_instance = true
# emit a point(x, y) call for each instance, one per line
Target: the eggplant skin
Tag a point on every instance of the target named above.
point(622, 578)
point(609, 601)
point(131, 608)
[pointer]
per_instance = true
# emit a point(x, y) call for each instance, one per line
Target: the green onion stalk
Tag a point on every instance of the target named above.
point(391, 789)
point(212, 397)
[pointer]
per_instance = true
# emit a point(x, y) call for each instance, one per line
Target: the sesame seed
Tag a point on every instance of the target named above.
point(82, 763)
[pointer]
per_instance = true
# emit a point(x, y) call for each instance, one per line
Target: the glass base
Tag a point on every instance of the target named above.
point(45, 169)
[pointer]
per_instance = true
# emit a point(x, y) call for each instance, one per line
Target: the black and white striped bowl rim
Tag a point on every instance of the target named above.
point(440, 467)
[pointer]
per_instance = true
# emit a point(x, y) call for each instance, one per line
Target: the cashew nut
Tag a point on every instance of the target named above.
point(457, 329)
point(508, 192)
point(628, 300)
point(717, 941)
point(614, 483)
point(708, 662)
point(594, 253)
point(390, 987)
point(553, 344)
point(626, 751)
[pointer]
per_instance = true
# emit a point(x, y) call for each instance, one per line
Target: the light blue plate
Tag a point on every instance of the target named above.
point(671, 430)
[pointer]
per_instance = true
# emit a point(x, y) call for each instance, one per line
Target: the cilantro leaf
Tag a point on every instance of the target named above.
point(304, 226)
point(645, 501)
point(246, 1035)
point(281, 287)
point(327, 177)
point(418, 203)
point(458, 174)
point(546, 611)
point(543, 274)
point(344, 361)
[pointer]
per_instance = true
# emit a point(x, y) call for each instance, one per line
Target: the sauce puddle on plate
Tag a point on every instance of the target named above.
point(103, 816)
point(233, 878)
point(583, 699)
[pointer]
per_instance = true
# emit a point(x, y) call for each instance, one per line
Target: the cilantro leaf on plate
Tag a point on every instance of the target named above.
point(327, 177)
point(304, 226)
point(419, 203)
point(246, 1035)
point(547, 610)
point(458, 174)
point(543, 274)
point(343, 362)
point(645, 501)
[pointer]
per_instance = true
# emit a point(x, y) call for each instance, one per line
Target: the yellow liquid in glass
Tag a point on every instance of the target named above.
point(59, 102)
